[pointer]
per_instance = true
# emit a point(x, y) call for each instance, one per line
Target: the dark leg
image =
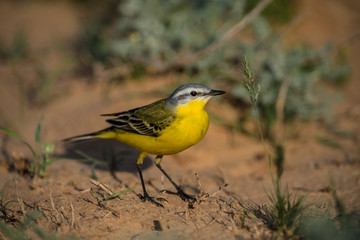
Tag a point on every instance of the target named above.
point(180, 192)
point(145, 196)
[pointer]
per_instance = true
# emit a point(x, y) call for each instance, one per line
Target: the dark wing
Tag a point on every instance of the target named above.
point(149, 120)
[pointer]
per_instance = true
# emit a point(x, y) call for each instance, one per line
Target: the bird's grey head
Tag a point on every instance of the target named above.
point(192, 91)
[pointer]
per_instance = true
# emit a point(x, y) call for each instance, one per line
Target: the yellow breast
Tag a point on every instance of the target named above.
point(188, 128)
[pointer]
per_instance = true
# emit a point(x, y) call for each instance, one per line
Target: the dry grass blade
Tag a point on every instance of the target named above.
point(109, 193)
point(72, 216)
point(102, 186)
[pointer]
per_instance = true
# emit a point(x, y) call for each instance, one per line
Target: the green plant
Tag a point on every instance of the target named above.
point(4, 204)
point(301, 69)
point(110, 195)
point(102, 199)
point(285, 210)
point(42, 153)
point(28, 229)
point(161, 35)
point(242, 217)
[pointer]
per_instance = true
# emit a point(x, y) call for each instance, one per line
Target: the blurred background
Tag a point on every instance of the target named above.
point(300, 44)
point(71, 60)
point(303, 46)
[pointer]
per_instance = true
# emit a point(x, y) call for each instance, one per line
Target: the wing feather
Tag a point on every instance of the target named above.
point(149, 120)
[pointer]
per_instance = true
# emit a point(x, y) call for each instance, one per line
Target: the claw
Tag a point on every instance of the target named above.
point(153, 200)
point(187, 198)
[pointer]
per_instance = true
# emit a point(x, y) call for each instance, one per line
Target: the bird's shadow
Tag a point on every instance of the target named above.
point(105, 154)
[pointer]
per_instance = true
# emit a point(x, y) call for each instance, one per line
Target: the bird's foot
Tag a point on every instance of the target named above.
point(186, 197)
point(153, 200)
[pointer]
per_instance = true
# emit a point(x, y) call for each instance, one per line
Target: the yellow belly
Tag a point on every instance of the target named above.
point(188, 128)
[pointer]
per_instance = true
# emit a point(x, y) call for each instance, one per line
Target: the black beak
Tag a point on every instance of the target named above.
point(215, 92)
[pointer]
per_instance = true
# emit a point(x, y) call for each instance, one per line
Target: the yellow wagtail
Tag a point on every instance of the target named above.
point(165, 127)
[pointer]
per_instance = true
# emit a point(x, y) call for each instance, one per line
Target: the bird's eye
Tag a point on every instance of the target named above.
point(193, 93)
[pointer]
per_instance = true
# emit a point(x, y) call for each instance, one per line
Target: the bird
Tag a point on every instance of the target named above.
point(165, 127)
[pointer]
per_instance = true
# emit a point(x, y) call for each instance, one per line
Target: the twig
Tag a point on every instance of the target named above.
point(159, 67)
point(62, 215)
point(3, 236)
point(200, 189)
point(103, 205)
point(220, 188)
point(102, 186)
point(52, 201)
point(72, 214)
point(53, 206)
point(228, 35)
point(85, 190)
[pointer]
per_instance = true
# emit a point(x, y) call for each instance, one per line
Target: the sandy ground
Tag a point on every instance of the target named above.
point(223, 157)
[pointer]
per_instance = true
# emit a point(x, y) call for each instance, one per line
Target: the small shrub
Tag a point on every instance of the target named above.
point(285, 211)
point(42, 153)
point(163, 35)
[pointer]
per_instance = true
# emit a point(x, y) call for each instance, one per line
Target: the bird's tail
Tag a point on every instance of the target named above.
point(105, 133)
